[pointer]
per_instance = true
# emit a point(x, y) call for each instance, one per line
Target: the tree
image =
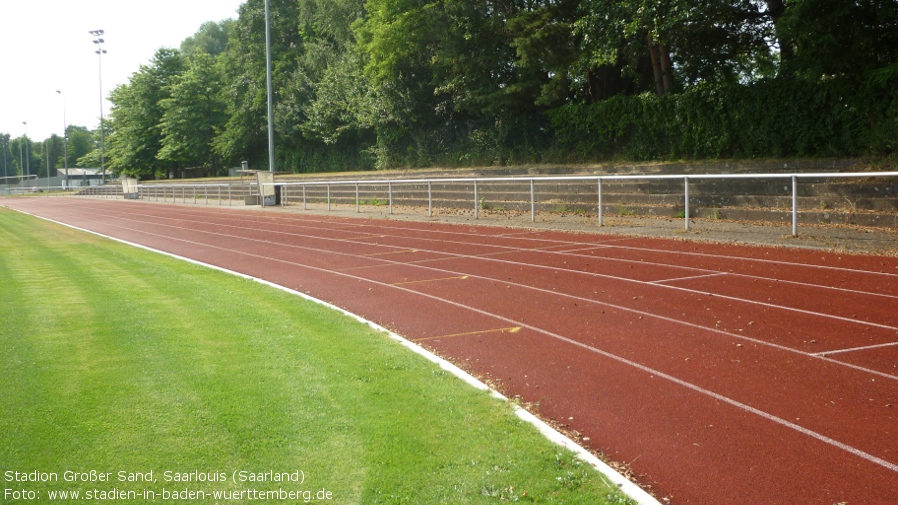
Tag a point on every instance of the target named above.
point(136, 116)
point(839, 38)
point(193, 114)
point(52, 153)
point(89, 144)
point(674, 44)
point(452, 72)
point(23, 154)
point(80, 143)
point(211, 38)
point(6, 154)
point(245, 133)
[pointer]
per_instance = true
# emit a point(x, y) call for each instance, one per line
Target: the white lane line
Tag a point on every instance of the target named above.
point(587, 248)
point(511, 283)
point(641, 262)
point(515, 234)
point(758, 260)
point(855, 349)
point(485, 257)
point(396, 224)
point(820, 286)
point(664, 251)
point(625, 485)
point(718, 274)
point(304, 224)
point(648, 370)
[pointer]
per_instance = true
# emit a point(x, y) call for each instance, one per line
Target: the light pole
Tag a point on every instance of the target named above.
point(27, 154)
point(21, 163)
point(5, 167)
point(47, 159)
point(268, 77)
point(100, 52)
point(65, 137)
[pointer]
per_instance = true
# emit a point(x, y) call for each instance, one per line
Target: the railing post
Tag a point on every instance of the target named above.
point(358, 204)
point(390, 196)
point(686, 200)
point(599, 192)
point(328, 197)
point(219, 195)
point(476, 206)
point(794, 206)
point(429, 200)
point(304, 207)
point(532, 203)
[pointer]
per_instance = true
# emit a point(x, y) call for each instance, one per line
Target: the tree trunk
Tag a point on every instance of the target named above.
point(656, 66)
point(666, 68)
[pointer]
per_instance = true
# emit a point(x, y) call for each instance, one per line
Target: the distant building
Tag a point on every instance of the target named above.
point(76, 177)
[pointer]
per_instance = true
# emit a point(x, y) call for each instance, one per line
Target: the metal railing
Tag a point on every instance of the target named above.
point(39, 191)
point(174, 193)
point(598, 180)
point(218, 192)
point(290, 192)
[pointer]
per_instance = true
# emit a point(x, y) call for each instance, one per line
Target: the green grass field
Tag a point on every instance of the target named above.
point(124, 362)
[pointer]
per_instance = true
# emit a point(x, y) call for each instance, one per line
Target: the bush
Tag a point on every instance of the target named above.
point(769, 118)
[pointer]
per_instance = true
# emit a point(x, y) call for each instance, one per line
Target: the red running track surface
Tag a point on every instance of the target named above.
point(721, 374)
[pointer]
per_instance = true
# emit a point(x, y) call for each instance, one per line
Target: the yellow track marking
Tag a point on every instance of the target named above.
point(511, 329)
point(462, 277)
point(391, 252)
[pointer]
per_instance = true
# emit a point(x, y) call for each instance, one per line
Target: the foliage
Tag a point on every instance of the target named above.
point(6, 155)
point(361, 84)
point(22, 152)
point(778, 117)
point(211, 38)
point(244, 135)
point(80, 144)
point(136, 118)
point(193, 114)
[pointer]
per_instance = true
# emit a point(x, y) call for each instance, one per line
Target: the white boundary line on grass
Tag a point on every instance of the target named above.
point(553, 435)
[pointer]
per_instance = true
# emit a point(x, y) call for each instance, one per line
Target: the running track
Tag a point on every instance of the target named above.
point(721, 374)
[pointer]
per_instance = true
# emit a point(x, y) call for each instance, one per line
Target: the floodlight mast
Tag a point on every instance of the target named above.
point(100, 52)
point(65, 136)
point(27, 153)
point(268, 78)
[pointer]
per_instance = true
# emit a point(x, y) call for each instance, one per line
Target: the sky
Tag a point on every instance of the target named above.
point(46, 46)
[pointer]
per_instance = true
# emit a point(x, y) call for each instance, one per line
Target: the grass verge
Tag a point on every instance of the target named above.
point(164, 376)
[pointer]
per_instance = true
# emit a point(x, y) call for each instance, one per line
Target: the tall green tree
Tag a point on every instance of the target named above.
point(461, 72)
point(326, 52)
point(23, 152)
point(245, 134)
point(52, 154)
point(211, 38)
point(6, 155)
point(80, 143)
point(193, 114)
point(136, 117)
point(841, 38)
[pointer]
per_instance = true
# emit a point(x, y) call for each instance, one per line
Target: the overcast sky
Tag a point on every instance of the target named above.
point(46, 47)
